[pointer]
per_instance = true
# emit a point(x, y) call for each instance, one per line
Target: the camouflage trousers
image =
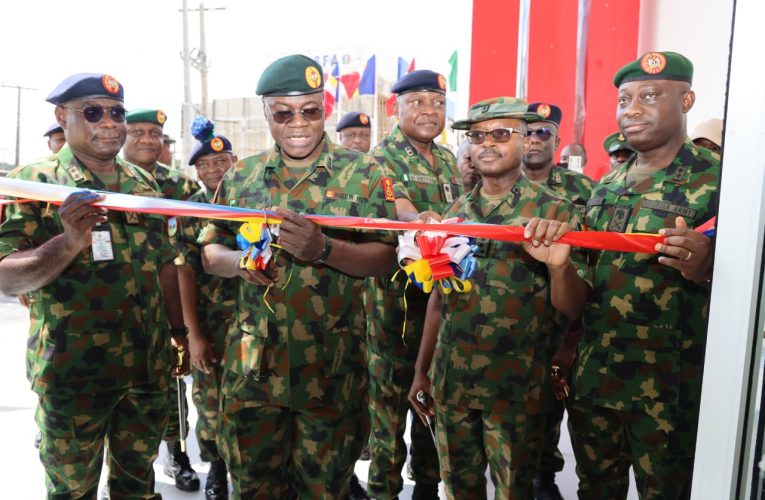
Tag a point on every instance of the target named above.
point(206, 396)
point(509, 441)
point(173, 429)
point(607, 442)
point(388, 408)
point(552, 459)
point(273, 452)
point(75, 427)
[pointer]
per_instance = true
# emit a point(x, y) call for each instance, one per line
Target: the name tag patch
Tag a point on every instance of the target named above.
point(671, 208)
point(335, 195)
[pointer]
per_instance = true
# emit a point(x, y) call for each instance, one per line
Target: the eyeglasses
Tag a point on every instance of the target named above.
point(543, 134)
point(94, 114)
point(286, 116)
point(498, 134)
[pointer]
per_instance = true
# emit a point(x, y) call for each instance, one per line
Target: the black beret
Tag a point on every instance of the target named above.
point(291, 75)
point(421, 79)
point(549, 112)
point(85, 85)
point(656, 66)
point(353, 119)
point(52, 130)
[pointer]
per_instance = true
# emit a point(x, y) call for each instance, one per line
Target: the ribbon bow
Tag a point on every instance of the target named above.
point(254, 239)
point(438, 258)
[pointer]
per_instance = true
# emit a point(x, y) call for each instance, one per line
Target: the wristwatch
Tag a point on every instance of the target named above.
point(322, 259)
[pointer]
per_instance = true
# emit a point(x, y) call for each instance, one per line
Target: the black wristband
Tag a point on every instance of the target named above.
point(179, 331)
point(322, 259)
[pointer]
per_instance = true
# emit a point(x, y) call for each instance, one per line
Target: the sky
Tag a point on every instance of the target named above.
point(140, 43)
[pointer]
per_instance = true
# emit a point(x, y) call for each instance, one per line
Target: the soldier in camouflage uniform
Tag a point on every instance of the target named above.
point(99, 348)
point(539, 167)
point(294, 414)
point(489, 346)
point(143, 147)
point(638, 379)
point(208, 305)
point(429, 173)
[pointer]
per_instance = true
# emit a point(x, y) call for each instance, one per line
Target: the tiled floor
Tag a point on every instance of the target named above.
point(20, 466)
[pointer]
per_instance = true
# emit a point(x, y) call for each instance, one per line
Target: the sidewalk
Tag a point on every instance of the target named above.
point(21, 473)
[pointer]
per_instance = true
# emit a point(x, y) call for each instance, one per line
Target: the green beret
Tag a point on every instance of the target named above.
point(616, 142)
point(656, 66)
point(155, 116)
point(495, 108)
point(291, 75)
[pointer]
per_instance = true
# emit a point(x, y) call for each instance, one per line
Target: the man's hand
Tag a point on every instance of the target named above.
point(261, 278)
point(424, 217)
point(686, 250)
point(78, 216)
point(421, 383)
point(180, 341)
point(543, 234)
point(201, 354)
point(563, 359)
point(300, 236)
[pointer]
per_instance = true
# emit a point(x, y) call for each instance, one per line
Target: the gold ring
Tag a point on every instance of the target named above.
point(690, 254)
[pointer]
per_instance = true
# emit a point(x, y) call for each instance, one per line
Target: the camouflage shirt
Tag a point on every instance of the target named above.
point(174, 184)
point(492, 341)
point(571, 186)
point(644, 324)
point(216, 296)
point(429, 188)
point(311, 350)
point(99, 326)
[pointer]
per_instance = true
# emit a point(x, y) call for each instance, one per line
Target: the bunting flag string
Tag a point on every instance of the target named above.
point(56, 194)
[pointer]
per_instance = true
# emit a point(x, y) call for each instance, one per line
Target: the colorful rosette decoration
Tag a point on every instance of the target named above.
point(437, 257)
point(202, 129)
point(254, 239)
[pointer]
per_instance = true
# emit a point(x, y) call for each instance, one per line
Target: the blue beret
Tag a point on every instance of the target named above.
point(52, 130)
point(85, 85)
point(421, 79)
point(549, 112)
point(217, 144)
point(353, 119)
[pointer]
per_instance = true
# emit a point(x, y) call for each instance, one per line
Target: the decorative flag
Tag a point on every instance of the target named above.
point(402, 68)
point(367, 84)
point(411, 66)
point(453, 72)
point(330, 92)
point(389, 104)
point(351, 83)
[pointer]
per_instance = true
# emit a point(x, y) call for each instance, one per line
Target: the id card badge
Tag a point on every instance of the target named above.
point(448, 196)
point(101, 248)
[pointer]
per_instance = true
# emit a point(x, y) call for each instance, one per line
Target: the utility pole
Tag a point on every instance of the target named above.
point(18, 117)
point(199, 61)
point(186, 113)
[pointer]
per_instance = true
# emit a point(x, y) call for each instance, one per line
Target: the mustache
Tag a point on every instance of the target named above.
point(488, 152)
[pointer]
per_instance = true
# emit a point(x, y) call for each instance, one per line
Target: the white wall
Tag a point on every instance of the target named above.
point(700, 30)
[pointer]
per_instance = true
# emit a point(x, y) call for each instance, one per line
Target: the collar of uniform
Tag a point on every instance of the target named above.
point(555, 177)
point(275, 161)
point(398, 136)
point(510, 196)
point(79, 174)
point(678, 172)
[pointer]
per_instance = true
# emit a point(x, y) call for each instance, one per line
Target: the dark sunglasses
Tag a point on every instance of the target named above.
point(94, 114)
point(310, 114)
point(543, 134)
point(498, 134)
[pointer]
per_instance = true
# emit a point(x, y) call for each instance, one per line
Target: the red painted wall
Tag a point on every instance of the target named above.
point(494, 52)
point(612, 42)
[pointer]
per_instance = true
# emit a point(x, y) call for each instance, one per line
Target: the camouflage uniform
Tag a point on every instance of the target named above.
point(638, 381)
point(294, 410)
point(174, 185)
point(391, 358)
point(489, 374)
point(576, 188)
point(99, 348)
point(217, 298)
